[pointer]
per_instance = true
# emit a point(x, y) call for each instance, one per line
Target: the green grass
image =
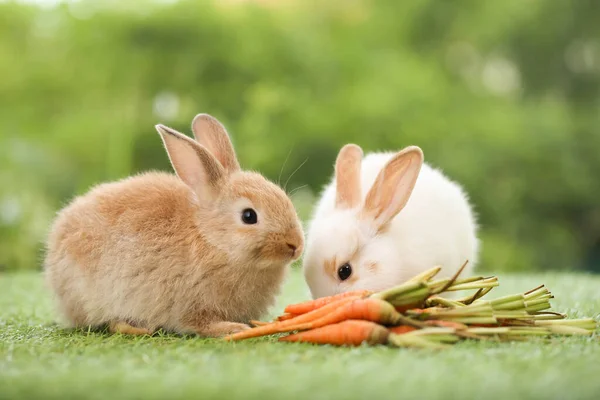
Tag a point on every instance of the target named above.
point(40, 360)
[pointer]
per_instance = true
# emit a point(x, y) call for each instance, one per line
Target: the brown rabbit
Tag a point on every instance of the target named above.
point(202, 252)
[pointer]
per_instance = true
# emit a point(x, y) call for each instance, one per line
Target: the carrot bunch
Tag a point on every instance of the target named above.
point(414, 314)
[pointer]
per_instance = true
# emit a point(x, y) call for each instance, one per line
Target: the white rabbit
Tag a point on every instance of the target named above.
point(384, 219)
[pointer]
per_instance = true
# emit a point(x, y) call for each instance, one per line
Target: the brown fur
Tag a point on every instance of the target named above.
point(347, 175)
point(126, 329)
point(212, 134)
point(372, 266)
point(155, 250)
point(332, 265)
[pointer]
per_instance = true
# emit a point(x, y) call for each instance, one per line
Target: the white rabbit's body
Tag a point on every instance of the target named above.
point(435, 227)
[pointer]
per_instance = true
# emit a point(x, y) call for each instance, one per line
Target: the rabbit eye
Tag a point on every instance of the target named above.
point(249, 216)
point(344, 271)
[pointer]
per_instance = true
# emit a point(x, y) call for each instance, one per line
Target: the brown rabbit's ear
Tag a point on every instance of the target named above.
point(210, 133)
point(347, 176)
point(393, 186)
point(193, 163)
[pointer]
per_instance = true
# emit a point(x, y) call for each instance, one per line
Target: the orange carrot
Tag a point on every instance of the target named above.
point(286, 316)
point(284, 326)
point(399, 330)
point(407, 307)
point(258, 323)
point(311, 305)
point(346, 333)
point(369, 309)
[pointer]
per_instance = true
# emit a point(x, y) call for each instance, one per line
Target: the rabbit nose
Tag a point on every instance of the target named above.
point(292, 247)
point(296, 249)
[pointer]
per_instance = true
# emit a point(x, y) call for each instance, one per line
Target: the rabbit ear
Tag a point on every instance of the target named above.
point(347, 176)
point(211, 134)
point(193, 164)
point(393, 186)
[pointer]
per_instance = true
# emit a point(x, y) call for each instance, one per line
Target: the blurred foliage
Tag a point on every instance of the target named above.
point(503, 96)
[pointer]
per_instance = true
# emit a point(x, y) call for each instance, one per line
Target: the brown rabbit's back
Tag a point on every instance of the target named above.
point(104, 248)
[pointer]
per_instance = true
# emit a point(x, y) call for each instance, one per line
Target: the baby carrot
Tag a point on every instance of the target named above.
point(407, 307)
point(346, 333)
point(284, 326)
point(399, 330)
point(286, 316)
point(311, 305)
point(369, 309)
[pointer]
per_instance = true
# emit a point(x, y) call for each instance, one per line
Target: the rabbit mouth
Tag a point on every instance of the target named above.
point(280, 251)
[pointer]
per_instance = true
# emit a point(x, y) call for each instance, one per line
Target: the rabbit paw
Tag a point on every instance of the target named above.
point(126, 329)
point(222, 328)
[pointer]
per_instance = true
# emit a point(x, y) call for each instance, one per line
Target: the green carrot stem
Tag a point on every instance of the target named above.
point(475, 297)
point(531, 331)
point(399, 290)
point(536, 302)
point(513, 305)
point(415, 296)
point(443, 338)
point(471, 320)
point(464, 311)
point(536, 293)
point(585, 323)
point(404, 320)
point(433, 331)
point(473, 285)
point(454, 277)
point(538, 298)
point(534, 289)
point(470, 279)
point(506, 299)
point(569, 330)
point(408, 340)
point(432, 301)
point(488, 331)
point(548, 315)
point(425, 275)
point(511, 315)
point(540, 307)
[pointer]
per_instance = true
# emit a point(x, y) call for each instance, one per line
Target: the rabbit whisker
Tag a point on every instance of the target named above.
point(283, 166)
point(292, 174)
point(296, 189)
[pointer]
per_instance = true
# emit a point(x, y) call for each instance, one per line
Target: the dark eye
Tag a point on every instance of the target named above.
point(345, 271)
point(249, 216)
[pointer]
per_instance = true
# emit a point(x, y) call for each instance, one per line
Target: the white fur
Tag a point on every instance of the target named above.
point(436, 227)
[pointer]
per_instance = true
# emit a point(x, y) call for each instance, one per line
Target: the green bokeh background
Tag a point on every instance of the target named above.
point(503, 96)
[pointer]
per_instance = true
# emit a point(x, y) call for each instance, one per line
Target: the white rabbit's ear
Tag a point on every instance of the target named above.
point(347, 176)
point(393, 186)
point(210, 133)
point(194, 164)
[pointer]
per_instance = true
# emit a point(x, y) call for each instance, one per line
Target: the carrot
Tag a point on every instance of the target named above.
point(286, 316)
point(284, 326)
point(346, 333)
point(311, 305)
point(399, 330)
point(370, 309)
point(407, 307)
